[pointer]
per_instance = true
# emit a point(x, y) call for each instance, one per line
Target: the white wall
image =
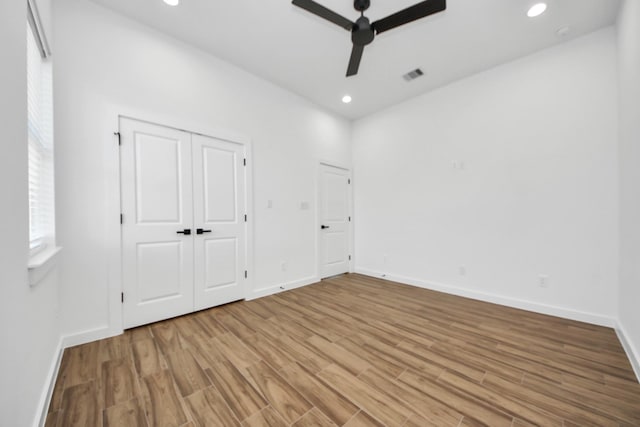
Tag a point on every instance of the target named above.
point(629, 75)
point(105, 60)
point(537, 195)
point(29, 330)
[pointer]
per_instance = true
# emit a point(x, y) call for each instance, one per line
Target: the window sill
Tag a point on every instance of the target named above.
point(41, 264)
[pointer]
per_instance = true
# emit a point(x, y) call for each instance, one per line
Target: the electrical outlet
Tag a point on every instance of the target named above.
point(384, 259)
point(462, 270)
point(284, 266)
point(543, 281)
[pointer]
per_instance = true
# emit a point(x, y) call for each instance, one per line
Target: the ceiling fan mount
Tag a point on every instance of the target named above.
point(361, 5)
point(362, 30)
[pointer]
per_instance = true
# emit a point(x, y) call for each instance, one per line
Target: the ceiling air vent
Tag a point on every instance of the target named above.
point(412, 75)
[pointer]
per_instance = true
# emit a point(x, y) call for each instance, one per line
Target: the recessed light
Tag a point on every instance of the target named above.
point(346, 99)
point(172, 2)
point(537, 10)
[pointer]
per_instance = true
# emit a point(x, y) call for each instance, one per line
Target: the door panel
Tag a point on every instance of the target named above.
point(156, 187)
point(158, 176)
point(219, 206)
point(219, 181)
point(334, 219)
point(221, 258)
point(158, 280)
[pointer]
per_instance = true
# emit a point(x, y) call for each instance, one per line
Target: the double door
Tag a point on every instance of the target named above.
point(184, 223)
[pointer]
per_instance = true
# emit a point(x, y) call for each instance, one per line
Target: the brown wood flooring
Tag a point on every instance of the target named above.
point(351, 351)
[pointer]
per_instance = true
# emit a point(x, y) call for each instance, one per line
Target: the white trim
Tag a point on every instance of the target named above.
point(41, 264)
point(87, 336)
point(551, 310)
point(47, 391)
point(271, 290)
point(632, 351)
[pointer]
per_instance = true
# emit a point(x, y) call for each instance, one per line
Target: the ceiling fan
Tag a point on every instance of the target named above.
point(362, 31)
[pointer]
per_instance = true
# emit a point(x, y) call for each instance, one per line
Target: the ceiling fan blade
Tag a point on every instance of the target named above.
point(412, 13)
point(354, 61)
point(323, 12)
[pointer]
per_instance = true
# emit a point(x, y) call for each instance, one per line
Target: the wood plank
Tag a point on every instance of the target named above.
point(364, 396)
point(235, 351)
point(162, 400)
point(547, 403)
point(82, 365)
point(208, 408)
point(469, 407)
point(510, 406)
point(237, 392)
point(280, 394)
point(268, 417)
point(362, 419)
point(81, 407)
point(326, 399)
point(146, 357)
point(314, 418)
point(420, 404)
point(166, 336)
point(187, 373)
point(337, 355)
point(119, 384)
point(125, 414)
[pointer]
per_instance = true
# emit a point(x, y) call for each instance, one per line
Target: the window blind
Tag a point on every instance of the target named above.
point(40, 142)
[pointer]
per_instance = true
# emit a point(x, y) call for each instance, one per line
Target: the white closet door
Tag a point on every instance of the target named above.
point(334, 220)
point(219, 215)
point(157, 204)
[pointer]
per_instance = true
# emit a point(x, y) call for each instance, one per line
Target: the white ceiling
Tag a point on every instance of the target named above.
point(308, 55)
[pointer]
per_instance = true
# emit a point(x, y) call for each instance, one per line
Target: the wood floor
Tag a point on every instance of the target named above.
point(351, 351)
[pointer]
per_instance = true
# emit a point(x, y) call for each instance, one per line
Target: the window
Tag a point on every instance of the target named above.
point(40, 137)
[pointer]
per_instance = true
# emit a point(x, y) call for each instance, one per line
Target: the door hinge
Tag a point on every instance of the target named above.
point(349, 181)
point(245, 217)
point(121, 219)
point(122, 297)
point(244, 162)
point(245, 274)
point(349, 219)
point(119, 138)
point(349, 257)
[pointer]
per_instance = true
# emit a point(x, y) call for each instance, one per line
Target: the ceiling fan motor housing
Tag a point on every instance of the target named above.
point(362, 33)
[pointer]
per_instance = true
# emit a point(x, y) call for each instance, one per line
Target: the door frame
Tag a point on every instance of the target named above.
point(113, 232)
point(318, 221)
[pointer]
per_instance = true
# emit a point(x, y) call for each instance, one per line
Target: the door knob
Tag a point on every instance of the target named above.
point(186, 231)
point(201, 231)
point(324, 226)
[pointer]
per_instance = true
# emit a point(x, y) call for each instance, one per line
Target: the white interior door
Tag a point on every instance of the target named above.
point(219, 217)
point(157, 253)
point(334, 220)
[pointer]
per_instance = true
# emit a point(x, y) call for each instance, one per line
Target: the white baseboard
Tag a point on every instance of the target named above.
point(89, 335)
point(632, 351)
point(47, 391)
point(567, 313)
point(263, 292)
